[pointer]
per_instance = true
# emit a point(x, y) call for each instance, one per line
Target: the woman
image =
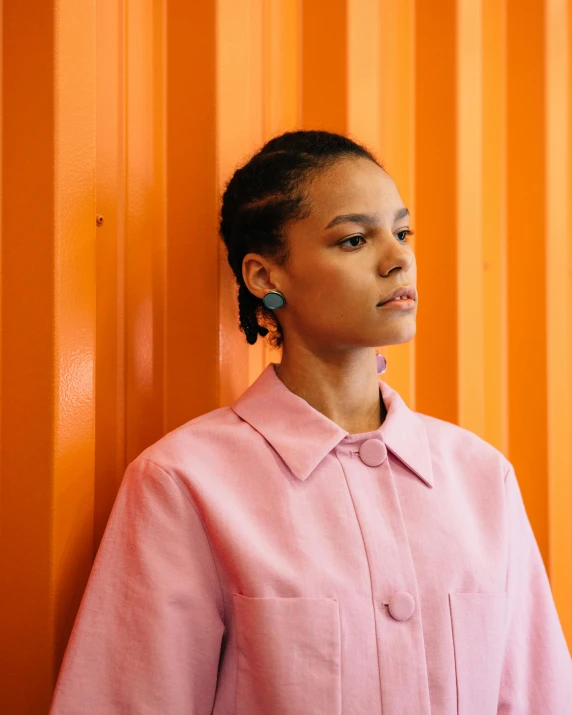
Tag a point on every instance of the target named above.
point(318, 547)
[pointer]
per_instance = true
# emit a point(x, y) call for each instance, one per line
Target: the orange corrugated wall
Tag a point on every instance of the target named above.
point(114, 330)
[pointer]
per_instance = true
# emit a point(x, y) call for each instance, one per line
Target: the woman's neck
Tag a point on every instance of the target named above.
point(346, 391)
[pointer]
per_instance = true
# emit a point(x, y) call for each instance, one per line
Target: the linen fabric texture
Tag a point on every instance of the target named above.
point(260, 560)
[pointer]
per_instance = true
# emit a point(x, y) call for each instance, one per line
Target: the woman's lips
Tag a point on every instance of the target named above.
point(400, 304)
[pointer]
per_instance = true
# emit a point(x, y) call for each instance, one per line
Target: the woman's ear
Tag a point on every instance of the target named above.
point(256, 273)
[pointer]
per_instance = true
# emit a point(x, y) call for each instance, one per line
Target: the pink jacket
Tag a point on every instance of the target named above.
point(260, 560)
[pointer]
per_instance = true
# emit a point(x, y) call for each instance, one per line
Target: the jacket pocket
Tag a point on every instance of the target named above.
point(288, 656)
point(478, 624)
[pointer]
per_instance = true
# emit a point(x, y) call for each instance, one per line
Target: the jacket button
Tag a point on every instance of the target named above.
point(401, 605)
point(372, 452)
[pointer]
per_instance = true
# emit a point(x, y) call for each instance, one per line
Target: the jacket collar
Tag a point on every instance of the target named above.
point(302, 436)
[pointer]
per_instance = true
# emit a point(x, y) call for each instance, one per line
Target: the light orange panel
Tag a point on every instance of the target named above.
point(240, 132)
point(74, 327)
point(145, 232)
point(281, 68)
point(558, 308)
point(397, 150)
point(562, 562)
point(110, 235)
point(494, 223)
point(470, 314)
point(364, 72)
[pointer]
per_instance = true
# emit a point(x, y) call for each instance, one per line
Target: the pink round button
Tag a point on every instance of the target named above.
point(372, 452)
point(401, 606)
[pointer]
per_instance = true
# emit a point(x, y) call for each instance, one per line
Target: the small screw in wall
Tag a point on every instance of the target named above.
point(99, 219)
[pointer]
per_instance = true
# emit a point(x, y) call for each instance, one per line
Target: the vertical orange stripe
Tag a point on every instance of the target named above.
point(144, 263)
point(494, 224)
point(74, 337)
point(526, 215)
point(282, 84)
point(397, 86)
point(282, 55)
point(240, 133)
point(48, 339)
point(566, 593)
point(324, 65)
point(192, 243)
point(436, 209)
point(364, 72)
point(559, 308)
point(471, 387)
point(110, 240)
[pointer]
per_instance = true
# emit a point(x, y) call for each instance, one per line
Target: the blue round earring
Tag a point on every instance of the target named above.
point(381, 364)
point(273, 300)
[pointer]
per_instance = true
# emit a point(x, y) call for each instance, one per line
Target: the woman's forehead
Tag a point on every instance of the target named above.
point(353, 186)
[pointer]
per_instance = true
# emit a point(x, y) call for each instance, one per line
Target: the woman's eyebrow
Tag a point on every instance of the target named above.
point(372, 219)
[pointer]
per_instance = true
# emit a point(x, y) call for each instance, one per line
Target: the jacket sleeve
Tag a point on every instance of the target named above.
point(147, 636)
point(537, 669)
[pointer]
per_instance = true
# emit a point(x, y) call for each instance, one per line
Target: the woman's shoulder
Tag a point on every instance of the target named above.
point(455, 442)
point(199, 440)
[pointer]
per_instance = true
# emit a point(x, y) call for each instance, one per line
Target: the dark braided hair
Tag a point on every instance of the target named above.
point(261, 197)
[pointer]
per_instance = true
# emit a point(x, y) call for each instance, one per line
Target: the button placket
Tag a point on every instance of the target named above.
point(398, 631)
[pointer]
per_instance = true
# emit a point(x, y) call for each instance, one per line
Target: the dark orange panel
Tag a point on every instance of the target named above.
point(28, 263)
point(436, 208)
point(526, 280)
point(324, 65)
point(192, 242)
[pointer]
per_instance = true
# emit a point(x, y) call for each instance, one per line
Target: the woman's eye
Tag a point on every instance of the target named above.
point(353, 241)
point(352, 238)
point(406, 232)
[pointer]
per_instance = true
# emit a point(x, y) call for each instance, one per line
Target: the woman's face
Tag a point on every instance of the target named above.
point(341, 267)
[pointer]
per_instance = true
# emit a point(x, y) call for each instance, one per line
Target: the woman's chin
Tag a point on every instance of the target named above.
point(401, 334)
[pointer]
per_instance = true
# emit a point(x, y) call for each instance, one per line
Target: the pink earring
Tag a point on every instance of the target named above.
point(381, 364)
